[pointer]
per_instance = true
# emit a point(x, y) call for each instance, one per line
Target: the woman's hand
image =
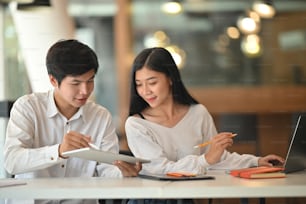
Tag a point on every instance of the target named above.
point(271, 160)
point(127, 169)
point(217, 146)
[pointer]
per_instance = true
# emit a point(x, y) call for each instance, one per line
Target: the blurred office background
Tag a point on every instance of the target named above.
point(248, 66)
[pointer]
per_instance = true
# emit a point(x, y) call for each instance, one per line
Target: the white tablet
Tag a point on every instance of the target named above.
point(102, 156)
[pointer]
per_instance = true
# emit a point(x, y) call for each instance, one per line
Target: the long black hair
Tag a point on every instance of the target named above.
point(160, 60)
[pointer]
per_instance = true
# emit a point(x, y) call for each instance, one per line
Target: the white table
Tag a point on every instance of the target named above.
point(224, 186)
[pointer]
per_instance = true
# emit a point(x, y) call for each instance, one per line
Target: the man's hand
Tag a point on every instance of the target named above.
point(127, 169)
point(73, 140)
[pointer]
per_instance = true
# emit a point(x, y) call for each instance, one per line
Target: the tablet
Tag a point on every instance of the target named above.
point(102, 156)
point(163, 177)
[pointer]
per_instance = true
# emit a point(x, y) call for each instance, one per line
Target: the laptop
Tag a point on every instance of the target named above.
point(296, 154)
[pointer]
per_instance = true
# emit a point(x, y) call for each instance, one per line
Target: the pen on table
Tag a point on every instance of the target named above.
point(208, 142)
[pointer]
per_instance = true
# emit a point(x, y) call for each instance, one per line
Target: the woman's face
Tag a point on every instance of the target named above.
point(154, 87)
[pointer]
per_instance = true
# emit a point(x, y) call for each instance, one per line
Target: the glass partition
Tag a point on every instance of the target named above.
point(16, 80)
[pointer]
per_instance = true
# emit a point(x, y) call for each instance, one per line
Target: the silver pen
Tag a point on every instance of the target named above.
point(90, 144)
point(93, 146)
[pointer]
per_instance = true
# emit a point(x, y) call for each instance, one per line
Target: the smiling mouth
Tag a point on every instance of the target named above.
point(151, 99)
point(81, 99)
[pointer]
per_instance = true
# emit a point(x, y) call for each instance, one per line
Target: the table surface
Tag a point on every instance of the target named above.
point(223, 186)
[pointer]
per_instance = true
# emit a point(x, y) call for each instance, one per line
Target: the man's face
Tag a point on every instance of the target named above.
point(73, 91)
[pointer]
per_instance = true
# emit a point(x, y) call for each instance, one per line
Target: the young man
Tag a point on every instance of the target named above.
point(44, 125)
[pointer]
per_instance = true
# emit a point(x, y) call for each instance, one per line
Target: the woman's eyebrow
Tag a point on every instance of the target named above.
point(153, 77)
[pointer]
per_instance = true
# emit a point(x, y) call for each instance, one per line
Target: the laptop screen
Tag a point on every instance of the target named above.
point(296, 155)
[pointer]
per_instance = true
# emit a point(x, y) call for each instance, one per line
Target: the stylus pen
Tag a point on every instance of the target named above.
point(90, 144)
point(68, 130)
point(208, 142)
point(93, 146)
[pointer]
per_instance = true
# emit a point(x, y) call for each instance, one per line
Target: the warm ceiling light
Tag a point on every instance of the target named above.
point(249, 24)
point(264, 8)
point(251, 46)
point(178, 55)
point(233, 32)
point(157, 39)
point(172, 7)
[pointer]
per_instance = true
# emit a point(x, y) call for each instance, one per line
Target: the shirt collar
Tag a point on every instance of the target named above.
point(53, 111)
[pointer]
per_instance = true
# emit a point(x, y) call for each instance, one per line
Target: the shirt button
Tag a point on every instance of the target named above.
point(52, 158)
point(63, 165)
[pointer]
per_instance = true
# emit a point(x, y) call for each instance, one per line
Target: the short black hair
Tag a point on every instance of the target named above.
point(158, 59)
point(70, 57)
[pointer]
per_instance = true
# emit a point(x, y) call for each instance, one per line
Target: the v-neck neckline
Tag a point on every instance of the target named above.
point(174, 126)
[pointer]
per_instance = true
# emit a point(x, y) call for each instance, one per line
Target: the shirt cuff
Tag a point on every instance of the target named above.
point(52, 153)
point(203, 163)
point(255, 161)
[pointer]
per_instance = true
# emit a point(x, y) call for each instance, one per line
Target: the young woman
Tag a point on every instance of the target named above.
point(165, 122)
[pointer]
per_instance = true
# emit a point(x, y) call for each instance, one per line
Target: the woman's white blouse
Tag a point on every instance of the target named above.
point(172, 149)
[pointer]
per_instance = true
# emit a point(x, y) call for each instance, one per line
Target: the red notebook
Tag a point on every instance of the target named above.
point(259, 172)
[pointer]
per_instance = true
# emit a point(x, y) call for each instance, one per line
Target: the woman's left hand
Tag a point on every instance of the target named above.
point(271, 160)
point(127, 169)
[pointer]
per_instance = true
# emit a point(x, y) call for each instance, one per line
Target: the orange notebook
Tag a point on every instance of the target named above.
point(259, 172)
